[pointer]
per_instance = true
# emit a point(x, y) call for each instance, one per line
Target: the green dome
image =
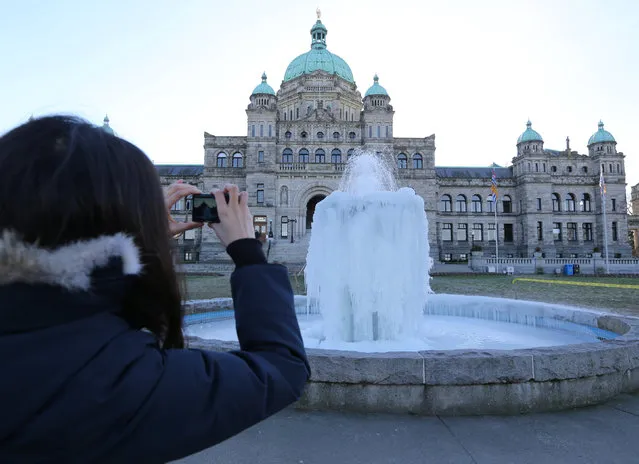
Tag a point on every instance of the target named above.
point(106, 127)
point(263, 88)
point(318, 59)
point(529, 135)
point(376, 89)
point(601, 136)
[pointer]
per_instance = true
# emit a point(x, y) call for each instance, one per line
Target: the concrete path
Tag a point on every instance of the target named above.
point(607, 434)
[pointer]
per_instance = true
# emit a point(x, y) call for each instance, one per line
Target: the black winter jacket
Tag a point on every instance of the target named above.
point(80, 385)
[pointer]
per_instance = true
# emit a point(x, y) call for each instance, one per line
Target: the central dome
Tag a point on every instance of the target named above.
point(318, 59)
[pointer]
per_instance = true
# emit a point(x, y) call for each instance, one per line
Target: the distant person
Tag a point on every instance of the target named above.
point(85, 265)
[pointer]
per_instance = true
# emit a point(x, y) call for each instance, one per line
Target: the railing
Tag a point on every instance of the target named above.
point(312, 166)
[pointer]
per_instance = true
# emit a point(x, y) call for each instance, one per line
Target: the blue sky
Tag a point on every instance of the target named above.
point(471, 72)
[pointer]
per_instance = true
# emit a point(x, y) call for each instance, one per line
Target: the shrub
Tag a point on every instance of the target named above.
point(539, 270)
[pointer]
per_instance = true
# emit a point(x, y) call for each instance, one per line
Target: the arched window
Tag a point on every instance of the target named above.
point(336, 156)
point(287, 155)
point(556, 202)
point(446, 203)
point(351, 135)
point(584, 169)
point(569, 169)
point(570, 202)
point(460, 204)
point(418, 161)
point(402, 161)
point(350, 153)
point(585, 203)
point(304, 134)
point(320, 156)
point(536, 167)
point(320, 135)
point(222, 160)
point(238, 160)
point(303, 155)
point(490, 204)
point(507, 204)
point(476, 204)
point(553, 168)
point(336, 135)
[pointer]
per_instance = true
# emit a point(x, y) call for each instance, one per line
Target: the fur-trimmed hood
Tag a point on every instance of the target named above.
point(69, 266)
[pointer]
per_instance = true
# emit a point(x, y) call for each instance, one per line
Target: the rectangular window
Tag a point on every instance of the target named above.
point(538, 204)
point(613, 204)
point(463, 257)
point(587, 229)
point(253, 130)
point(540, 231)
point(447, 232)
point(478, 233)
point(556, 231)
point(490, 233)
point(260, 194)
point(490, 206)
point(615, 232)
point(260, 156)
point(462, 232)
point(508, 232)
point(270, 130)
point(387, 132)
point(261, 130)
point(379, 132)
point(448, 257)
point(284, 226)
point(370, 132)
point(189, 256)
point(571, 227)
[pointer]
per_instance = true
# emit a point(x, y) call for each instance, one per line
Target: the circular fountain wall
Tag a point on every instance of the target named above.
point(594, 356)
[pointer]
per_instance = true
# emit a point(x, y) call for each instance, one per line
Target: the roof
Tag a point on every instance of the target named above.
point(472, 173)
point(529, 135)
point(601, 136)
point(376, 89)
point(263, 87)
point(180, 170)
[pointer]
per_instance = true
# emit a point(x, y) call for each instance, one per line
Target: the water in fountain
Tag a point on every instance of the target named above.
point(368, 258)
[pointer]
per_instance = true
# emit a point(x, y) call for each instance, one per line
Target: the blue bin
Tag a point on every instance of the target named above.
point(569, 269)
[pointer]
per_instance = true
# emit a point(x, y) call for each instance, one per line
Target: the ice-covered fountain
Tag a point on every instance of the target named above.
point(379, 340)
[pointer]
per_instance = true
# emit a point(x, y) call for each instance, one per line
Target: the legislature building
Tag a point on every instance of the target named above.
point(299, 139)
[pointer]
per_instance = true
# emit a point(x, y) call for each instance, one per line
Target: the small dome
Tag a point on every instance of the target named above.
point(376, 89)
point(529, 135)
point(318, 58)
point(263, 88)
point(106, 127)
point(601, 136)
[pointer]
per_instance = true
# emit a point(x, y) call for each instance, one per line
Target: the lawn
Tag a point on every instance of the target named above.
point(622, 300)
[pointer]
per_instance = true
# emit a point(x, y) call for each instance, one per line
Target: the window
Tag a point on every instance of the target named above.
point(402, 161)
point(297, 113)
point(189, 256)
point(447, 232)
point(270, 130)
point(253, 130)
point(586, 205)
point(490, 233)
point(570, 202)
point(538, 204)
point(320, 135)
point(260, 156)
point(460, 204)
point(463, 257)
point(478, 233)
point(222, 160)
point(615, 234)
point(544, 166)
point(379, 132)
point(618, 168)
point(490, 205)
point(238, 160)
point(507, 204)
point(556, 231)
point(349, 153)
point(508, 232)
point(178, 206)
point(284, 227)
point(287, 155)
point(536, 167)
point(475, 205)
point(569, 169)
point(260, 194)
point(189, 234)
point(571, 228)
point(303, 156)
point(446, 203)
point(418, 161)
point(320, 156)
point(304, 134)
point(336, 156)
point(351, 135)
point(584, 169)
point(540, 231)
point(462, 232)
point(288, 134)
point(336, 135)
point(370, 132)
point(448, 257)
point(387, 131)
point(553, 168)
point(556, 202)
point(613, 204)
point(261, 130)
point(587, 230)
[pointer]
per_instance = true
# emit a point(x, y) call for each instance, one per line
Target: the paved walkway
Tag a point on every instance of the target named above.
point(607, 434)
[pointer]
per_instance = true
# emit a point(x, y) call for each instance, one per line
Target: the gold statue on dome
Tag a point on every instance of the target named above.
point(319, 13)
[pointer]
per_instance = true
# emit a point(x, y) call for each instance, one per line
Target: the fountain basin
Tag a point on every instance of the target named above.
point(468, 381)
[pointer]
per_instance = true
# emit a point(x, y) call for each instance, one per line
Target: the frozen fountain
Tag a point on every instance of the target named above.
point(379, 341)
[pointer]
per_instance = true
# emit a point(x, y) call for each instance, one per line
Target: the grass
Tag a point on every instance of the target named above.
point(621, 300)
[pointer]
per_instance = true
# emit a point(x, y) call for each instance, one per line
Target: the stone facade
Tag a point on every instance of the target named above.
point(299, 139)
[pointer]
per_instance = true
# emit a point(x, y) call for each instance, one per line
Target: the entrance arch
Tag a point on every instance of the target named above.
point(310, 209)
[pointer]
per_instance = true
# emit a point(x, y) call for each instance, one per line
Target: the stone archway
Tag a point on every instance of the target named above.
point(310, 209)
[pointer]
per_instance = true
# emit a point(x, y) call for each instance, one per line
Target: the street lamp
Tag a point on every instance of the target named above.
point(292, 229)
point(270, 228)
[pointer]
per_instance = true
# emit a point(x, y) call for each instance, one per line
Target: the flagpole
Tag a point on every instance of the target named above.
point(496, 235)
point(605, 223)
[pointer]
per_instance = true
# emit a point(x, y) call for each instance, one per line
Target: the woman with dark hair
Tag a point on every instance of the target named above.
point(85, 265)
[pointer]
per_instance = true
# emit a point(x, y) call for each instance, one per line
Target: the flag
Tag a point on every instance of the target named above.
point(602, 183)
point(493, 186)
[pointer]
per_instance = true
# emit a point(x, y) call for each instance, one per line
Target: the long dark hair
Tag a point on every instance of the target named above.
point(63, 179)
